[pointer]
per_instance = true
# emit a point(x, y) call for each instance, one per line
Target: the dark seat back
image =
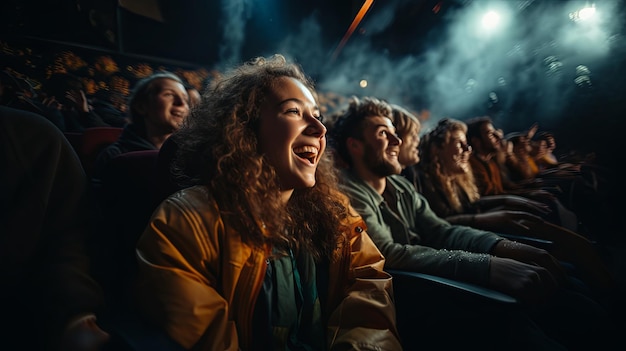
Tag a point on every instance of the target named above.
point(93, 140)
point(123, 199)
point(126, 198)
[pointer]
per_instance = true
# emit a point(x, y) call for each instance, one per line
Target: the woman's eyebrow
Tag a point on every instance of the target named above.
point(298, 101)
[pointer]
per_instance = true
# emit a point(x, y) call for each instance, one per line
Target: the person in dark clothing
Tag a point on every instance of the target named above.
point(65, 102)
point(102, 105)
point(157, 107)
point(50, 299)
point(19, 94)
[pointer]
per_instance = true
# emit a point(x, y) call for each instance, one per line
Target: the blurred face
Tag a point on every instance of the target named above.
point(291, 135)
point(489, 137)
point(380, 147)
point(522, 146)
point(455, 153)
point(169, 107)
point(409, 154)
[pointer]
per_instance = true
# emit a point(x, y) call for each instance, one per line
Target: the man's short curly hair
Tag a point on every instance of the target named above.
point(349, 123)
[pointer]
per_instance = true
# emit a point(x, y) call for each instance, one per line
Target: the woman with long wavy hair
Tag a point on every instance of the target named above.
point(260, 250)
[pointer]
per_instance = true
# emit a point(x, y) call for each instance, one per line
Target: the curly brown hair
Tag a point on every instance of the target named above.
point(218, 147)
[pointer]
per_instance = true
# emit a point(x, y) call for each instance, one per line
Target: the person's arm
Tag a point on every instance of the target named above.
point(529, 283)
point(532, 130)
point(177, 285)
point(394, 241)
point(86, 116)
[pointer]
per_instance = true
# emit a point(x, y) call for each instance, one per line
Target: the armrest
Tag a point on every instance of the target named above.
point(435, 313)
point(426, 282)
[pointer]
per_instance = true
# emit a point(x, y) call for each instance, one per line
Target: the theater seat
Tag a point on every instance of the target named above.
point(125, 197)
point(75, 139)
point(164, 182)
point(93, 140)
point(435, 313)
point(124, 202)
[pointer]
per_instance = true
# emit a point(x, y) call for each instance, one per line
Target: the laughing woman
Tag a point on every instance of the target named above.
point(260, 251)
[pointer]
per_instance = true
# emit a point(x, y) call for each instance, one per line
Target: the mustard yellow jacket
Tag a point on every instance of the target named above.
point(199, 282)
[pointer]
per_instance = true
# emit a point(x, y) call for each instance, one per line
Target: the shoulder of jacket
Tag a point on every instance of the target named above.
point(401, 182)
point(197, 197)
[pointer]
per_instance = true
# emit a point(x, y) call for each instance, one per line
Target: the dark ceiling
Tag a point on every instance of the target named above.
point(194, 31)
point(188, 31)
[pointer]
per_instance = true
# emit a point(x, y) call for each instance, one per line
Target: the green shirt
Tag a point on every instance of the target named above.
point(412, 237)
point(289, 298)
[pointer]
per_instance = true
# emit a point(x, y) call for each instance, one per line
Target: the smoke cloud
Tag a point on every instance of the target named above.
point(530, 68)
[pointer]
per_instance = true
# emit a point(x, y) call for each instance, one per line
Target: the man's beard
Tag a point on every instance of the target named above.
point(378, 165)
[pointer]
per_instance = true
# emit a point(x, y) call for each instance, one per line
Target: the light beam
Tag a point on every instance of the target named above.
point(355, 23)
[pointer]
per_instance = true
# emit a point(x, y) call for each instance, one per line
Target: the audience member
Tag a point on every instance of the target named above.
point(157, 106)
point(19, 94)
point(586, 188)
point(65, 99)
point(412, 237)
point(544, 152)
point(101, 104)
point(262, 251)
point(50, 300)
point(448, 184)
point(408, 128)
point(547, 159)
point(485, 141)
point(523, 165)
point(520, 165)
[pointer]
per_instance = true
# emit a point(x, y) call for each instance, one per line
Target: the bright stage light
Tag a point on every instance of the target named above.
point(584, 14)
point(491, 20)
point(363, 83)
